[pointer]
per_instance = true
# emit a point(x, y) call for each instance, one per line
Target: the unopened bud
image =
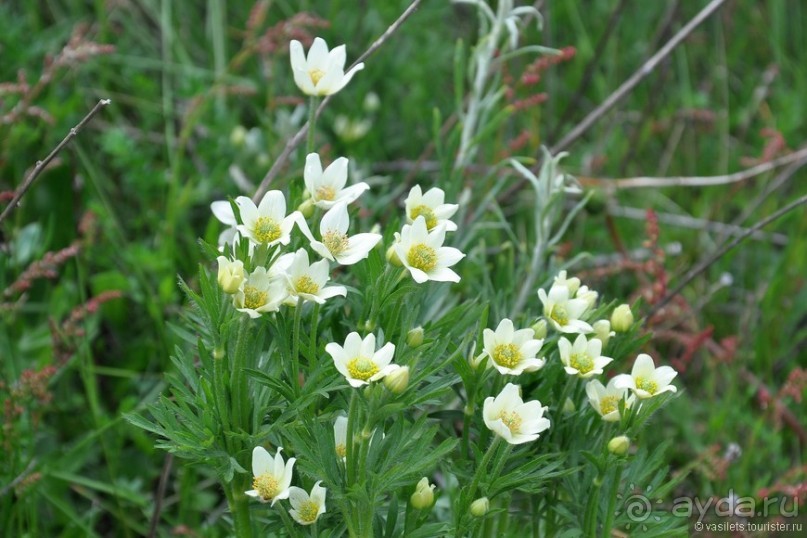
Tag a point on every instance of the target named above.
point(602, 331)
point(569, 407)
point(231, 274)
point(306, 208)
point(397, 380)
point(218, 353)
point(619, 445)
point(423, 497)
point(368, 326)
point(621, 318)
point(414, 337)
point(589, 296)
point(480, 507)
point(539, 328)
point(392, 257)
point(238, 136)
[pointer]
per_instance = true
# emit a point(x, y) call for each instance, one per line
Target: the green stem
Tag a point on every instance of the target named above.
point(480, 471)
point(590, 520)
point(468, 415)
point(312, 123)
point(239, 508)
point(295, 348)
point(609, 516)
point(350, 448)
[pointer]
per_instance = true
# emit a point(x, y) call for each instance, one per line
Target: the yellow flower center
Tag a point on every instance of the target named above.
point(335, 242)
point(267, 486)
point(254, 298)
point(506, 355)
point(422, 257)
point(512, 420)
point(362, 368)
point(646, 384)
point(316, 75)
point(266, 230)
point(308, 511)
point(341, 450)
point(559, 315)
point(304, 284)
point(325, 192)
point(608, 404)
point(427, 213)
point(581, 362)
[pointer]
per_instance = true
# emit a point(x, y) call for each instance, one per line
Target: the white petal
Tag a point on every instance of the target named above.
point(223, 211)
point(318, 55)
point(261, 461)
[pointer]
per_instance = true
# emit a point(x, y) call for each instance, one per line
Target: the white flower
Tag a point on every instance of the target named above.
point(335, 244)
point(327, 188)
point(267, 224)
point(340, 436)
point(272, 477)
point(231, 274)
point(602, 331)
point(645, 380)
point(512, 352)
point(572, 283)
point(582, 359)
point(359, 361)
point(305, 508)
point(307, 281)
point(259, 293)
point(510, 417)
point(589, 296)
point(605, 399)
point(423, 254)
point(323, 72)
point(223, 211)
point(563, 312)
point(431, 206)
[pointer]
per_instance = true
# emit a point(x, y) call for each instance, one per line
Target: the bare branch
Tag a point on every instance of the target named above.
point(40, 165)
point(295, 141)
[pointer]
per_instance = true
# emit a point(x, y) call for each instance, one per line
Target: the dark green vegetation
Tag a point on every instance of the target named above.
point(186, 78)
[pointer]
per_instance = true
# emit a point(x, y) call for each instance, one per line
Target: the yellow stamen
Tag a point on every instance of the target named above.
point(316, 75)
point(646, 384)
point(422, 257)
point(325, 192)
point(362, 368)
point(511, 420)
point(304, 284)
point(506, 355)
point(254, 298)
point(335, 242)
point(308, 511)
point(341, 450)
point(608, 404)
point(581, 362)
point(559, 315)
point(266, 230)
point(427, 213)
point(267, 486)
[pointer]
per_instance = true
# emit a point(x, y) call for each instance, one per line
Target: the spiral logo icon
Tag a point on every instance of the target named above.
point(638, 508)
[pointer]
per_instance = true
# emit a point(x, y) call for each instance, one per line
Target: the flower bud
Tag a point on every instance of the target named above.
point(590, 296)
point(392, 257)
point(368, 326)
point(371, 102)
point(602, 331)
point(306, 208)
point(539, 328)
point(423, 497)
point(238, 136)
point(414, 337)
point(218, 353)
point(621, 318)
point(231, 274)
point(569, 407)
point(397, 380)
point(618, 446)
point(480, 507)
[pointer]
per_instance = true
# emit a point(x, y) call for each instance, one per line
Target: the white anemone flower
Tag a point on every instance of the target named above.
point(307, 281)
point(582, 358)
point(305, 508)
point(327, 188)
point(562, 311)
point(259, 293)
point(508, 416)
point(422, 252)
point(605, 399)
point(340, 436)
point(359, 361)
point(572, 283)
point(512, 352)
point(272, 476)
point(431, 206)
point(267, 224)
point(335, 244)
point(645, 380)
point(588, 295)
point(322, 72)
point(223, 211)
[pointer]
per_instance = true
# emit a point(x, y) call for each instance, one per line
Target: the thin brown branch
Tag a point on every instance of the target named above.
point(295, 141)
point(160, 495)
point(636, 78)
point(698, 181)
point(722, 251)
point(40, 165)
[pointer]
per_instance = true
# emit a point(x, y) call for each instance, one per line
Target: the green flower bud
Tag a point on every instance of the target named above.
point(539, 328)
point(238, 136)
point(414, 337)
point(480, 507)
point(231, 274)
point(621, 318)
point(392, 257)
point(306, 208)
point(619, 445)
point(569, 407)
point(397, 380)
point(218, 353)
point(423, 497)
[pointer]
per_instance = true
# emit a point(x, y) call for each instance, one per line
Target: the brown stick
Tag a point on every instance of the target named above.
point(295, 141)
point(160, 495)
point(40, 165)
